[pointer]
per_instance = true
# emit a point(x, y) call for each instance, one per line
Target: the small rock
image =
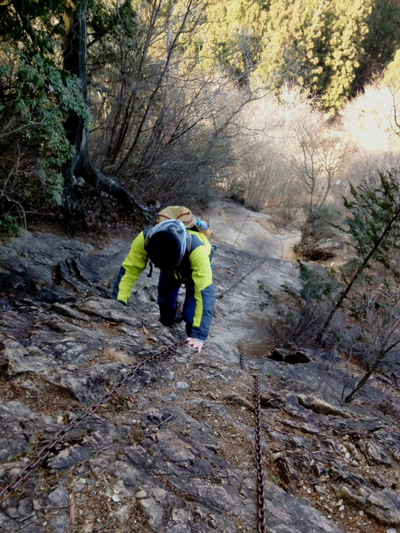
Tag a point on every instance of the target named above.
point(123, 513)
point(182, 385)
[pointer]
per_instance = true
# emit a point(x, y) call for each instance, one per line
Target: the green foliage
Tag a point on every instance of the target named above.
point(28, 191)
point(295, 43)
point(314, 286)
point(374, 226)
point(300, 311)
point(326, 47)
point(46, 189)
point(392, 73)
point(37, 98)
point(346, 50)
point(28, 23)
point(45, 95)
point(231, 37)
point(383, 39)
point(374, 223)
point(54, 186)
point(8, 225)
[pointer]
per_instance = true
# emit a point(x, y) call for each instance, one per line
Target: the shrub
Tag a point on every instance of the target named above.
point(299, 311)
point(9, 225)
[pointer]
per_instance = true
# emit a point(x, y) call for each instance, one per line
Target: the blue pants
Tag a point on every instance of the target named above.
point(168, 289)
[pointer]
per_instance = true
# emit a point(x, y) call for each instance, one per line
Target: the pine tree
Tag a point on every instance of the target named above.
point(350, 28)
point(317, 44)
point(374, 226)
point(231, 37)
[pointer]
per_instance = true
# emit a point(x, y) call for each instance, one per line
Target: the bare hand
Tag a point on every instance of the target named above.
point(196, 343)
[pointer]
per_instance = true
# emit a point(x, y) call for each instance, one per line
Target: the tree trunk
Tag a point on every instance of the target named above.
point(80, 165)
point(368, 374)
point(355, 276)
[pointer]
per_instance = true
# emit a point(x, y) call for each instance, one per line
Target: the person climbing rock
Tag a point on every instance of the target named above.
point(179, 246)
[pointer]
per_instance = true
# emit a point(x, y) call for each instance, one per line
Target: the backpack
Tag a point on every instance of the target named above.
point(177, 212)
point(190, 221)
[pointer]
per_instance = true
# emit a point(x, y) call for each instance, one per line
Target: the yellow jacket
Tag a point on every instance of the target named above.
point(196, 264)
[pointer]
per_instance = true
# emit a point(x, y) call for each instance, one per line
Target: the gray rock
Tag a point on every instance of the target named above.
point(110, 310)
point(59, 497)
point(375, 452)
point(391, 442)
point(176, 462)
point(182, 385)
point(384, 505)
point(69, 456)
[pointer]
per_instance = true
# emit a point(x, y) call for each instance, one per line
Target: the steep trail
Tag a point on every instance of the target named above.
point(252, 232)
point(173, 451)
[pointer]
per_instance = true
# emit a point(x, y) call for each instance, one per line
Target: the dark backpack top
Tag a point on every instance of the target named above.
point(166, 244)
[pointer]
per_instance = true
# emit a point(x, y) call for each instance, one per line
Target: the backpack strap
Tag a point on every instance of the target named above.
point(146, 240)
point(145, 233)
point(189, 241)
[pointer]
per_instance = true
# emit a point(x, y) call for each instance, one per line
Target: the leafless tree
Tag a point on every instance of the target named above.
point(164, 126)
point(319, 157)
point(265, 173)
point(378, 339)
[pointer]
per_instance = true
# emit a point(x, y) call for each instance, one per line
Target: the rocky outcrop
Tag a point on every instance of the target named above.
point(172, 451)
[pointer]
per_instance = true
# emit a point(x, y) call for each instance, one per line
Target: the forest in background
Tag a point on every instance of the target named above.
point(278, 104)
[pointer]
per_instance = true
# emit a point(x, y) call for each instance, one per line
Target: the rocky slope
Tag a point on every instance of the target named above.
point(173, 449)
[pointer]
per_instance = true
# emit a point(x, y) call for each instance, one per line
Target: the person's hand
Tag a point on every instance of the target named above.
point(196, 343)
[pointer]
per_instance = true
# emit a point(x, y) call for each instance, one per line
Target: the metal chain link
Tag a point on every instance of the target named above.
point(45, 451)
point(260, 474)
point(229, 289)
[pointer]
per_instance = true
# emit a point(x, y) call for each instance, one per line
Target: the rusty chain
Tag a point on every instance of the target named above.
point(262, 528)
point(229, 289)
point(45, 451)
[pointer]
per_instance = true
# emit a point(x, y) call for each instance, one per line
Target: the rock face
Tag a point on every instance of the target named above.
point(172, 450)
point(251, 232)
